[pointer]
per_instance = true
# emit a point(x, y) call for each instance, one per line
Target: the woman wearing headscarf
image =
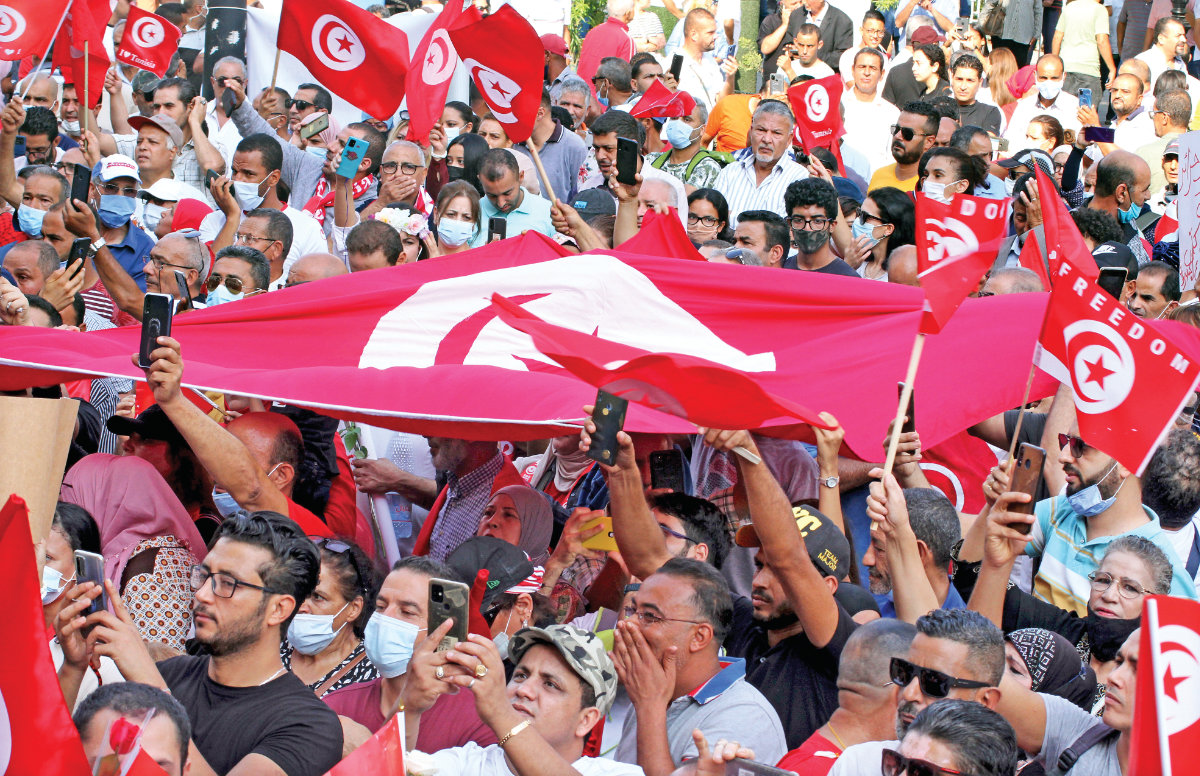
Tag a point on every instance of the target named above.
point(522, 517)
point(319, 143)
point(148, 541)
point(1044, 661)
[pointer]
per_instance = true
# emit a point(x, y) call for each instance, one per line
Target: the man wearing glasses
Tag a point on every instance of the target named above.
point(248, 713)
point(115, 187)
point(222, 132)
point(914, 133)
point(812, 206)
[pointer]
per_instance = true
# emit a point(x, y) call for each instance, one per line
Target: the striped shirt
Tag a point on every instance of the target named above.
point(459, 517)
point(1068, 556)
point(738, 183)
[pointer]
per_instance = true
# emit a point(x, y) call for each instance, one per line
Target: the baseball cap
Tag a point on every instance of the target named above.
point(153, 423)
point(166, 189)
point(583, 651)
point(1114, 254)
point(506, 563)
point(1029, 157)
point(594, 202)
point(165, 123)
point(116, 166)
point(827, 545)
point(925, 34)
point(554, 44)
point(144, 82)
point(1172, 149)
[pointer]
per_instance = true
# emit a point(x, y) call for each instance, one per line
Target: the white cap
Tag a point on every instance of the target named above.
point(167, 190)
point(117, 166)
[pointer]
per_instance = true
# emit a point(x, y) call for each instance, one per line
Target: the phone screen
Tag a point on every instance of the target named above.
point(156, 322)
point(627, 153)
point(1085, 98)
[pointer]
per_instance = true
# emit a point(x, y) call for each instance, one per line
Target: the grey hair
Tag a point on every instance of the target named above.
point(934, 521)
point(673, 195)
point(619, 8)
point(915, 23)
point(1151, 555)
point(230, 60)
point(576, 85)
point(1024, 281)
point(408, 144)
point(774, 107)
point(700, 106)
point(980, 740)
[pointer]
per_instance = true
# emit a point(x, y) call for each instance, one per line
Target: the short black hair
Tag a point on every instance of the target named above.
point(872, 52)
point(775, 228)
point(1161, 25)
point(811, 191)
point(1171, 482)
point(710, 593)
point(980, 741)
point(279, 226)
point(266, 146)
point(187, 90)
point(896, 208)
point(969, 61)
point(702, 521)
point(45, 171)
point(874, 15)
point(260, 268)
point(372, 235)
point(496, 162)
point(615, 121)
point(984, 641)
point(172, 12)
point(639, 59)
point(464, 113)
point(1169, 275)
point(77, 524)
point(135, 700)
point(423, 564)
point(376, 143)
point(323, 99)
point(296, 565)
point(925, 110)
point(1099, 225)
point(38, 303)
point(1112, 172)
point(962, 137)
point(354, 576)
point(40, 121)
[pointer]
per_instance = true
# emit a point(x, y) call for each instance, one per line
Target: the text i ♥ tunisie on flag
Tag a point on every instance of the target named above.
point(818, 120)
point(1166, 716)
point(505, 57)
point(26, 26)
point(1128, 379)
point(349, 51)
point(148, 43)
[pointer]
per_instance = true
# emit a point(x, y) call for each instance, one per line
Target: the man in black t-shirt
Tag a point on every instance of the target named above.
point(812, 208)
point(966, 80)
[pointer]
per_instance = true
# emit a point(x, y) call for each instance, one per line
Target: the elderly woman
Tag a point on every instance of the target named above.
point(522, 517)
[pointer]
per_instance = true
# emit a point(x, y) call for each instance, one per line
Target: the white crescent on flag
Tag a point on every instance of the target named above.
point(12, 24)
point(1102, 370)
point(336, 45)
point(498, 89)
point(147, 32)
point(440, 59)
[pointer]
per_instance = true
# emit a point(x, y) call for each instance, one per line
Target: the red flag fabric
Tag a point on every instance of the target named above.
point(86, 23)
point(958, 467)
point(26, 27)
point(818, 120)
point(432, 66)
point(662, 231)
point(659, 102)
point(948, 282)
point(1129, 380)
point(381, 755)
point(704, 392)
point(36, 733)
point(504, 55)
point(1031, 259)
point(409, 347)
point(348, 50)
point(1063, 240)
point(1166, 711)
point(946, 230)
point(148, 42)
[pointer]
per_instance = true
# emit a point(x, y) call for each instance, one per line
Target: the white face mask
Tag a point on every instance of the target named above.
point(937, 190)
point(310, 634)
point(53, 585)
point(1049, 89)
point(451, 132)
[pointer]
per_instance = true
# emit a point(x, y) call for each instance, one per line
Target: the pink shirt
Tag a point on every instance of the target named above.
point(451, 722)
point(610, 39)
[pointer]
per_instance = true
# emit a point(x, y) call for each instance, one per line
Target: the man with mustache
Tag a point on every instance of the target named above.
point(914, 133)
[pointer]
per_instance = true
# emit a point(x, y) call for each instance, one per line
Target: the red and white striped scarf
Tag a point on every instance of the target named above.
point(324, 196)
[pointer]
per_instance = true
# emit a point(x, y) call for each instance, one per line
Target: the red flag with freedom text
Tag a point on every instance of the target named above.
point(1166, 710)
point(36, 733)
point(818, 118)
point(148, 43)
point(79, 49)
point(1128, 379)
point(504, 56)
point(432, 67)
point(1063, 240)
point(26, 27)
point(349, 51)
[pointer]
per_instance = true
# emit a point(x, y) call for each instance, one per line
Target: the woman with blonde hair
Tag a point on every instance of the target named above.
point(1002, 65)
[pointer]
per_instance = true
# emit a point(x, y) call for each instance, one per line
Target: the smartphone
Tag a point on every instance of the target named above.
point(740, 767)
point(1085, 98)
point(960, 26)
point(79, 251)
point(227, 101)
point(778, 85)
point(910, 421)
point(209, 177)
point(449, 599)
point(156, 322)
point(81, 182)
point(609, 417)
point(1112, 280)
point(1000, 144)
point(316, 126)
point(352, 156)
point(1099, 134)
point(677, 66)
point(497, 228)
point(627, 154)
point(730, 51)
point(182, 292)
point(666, 470)
point(89, 567)
point(604, 541)
point(1025, 477)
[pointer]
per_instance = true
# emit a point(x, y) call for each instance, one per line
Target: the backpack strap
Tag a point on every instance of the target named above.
point(1092, 736)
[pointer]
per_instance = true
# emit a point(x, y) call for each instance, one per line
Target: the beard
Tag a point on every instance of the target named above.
point(878, 582)
point(1081, 482)
point(237, 635)
point(906, 707)
point(782, 617)
point(905, 156)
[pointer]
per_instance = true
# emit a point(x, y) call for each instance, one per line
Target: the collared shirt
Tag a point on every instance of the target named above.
point(887, 605)
point(869, 127)
point(725, 706)
point(307, 236)
point(1059, 538)
point(703, 80)
point(1135, 131)
point(562, 155)
point(738, 183)
point(132, 253)
point(533, 213)
point(1064, 107)
point(458, 518)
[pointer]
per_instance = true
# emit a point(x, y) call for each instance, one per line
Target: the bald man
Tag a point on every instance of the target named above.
point(902, 266)
point(1012, 280)
point(1122, 189)
point(316, 266)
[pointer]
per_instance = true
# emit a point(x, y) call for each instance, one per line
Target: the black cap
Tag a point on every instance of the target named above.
point(153, 423)
point(594, 202)
point(826, 544)
point(1115, 254)
point(506, 563)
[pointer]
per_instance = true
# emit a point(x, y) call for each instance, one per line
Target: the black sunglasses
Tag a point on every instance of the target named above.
point(907, 133)
point(299, 104)
point(896, 764)
point(934, 684)
point(339, 547)
point(1077, 445)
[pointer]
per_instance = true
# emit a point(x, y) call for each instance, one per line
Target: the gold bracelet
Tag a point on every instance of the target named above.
point(516, 729)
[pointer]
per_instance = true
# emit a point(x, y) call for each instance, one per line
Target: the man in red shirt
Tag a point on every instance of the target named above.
point(610, 39)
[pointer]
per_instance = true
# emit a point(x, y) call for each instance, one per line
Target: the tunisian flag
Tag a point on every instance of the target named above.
point(36, 733)
point(86, 23)
point(1166, 716)
point(354, 54)
point(947, 230)
point(149, 41)
point(26, 27)
point(818, 119)
point(433, 64)
point(381, 755)
point(1063, 240)
point(504, 56)
point(1129, 380)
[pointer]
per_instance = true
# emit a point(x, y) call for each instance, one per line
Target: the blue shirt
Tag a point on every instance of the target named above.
point(887, 607)
point(992, 188)
point(533, 213)
point(132, 253)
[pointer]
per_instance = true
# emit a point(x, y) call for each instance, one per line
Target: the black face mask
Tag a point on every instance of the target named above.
point(454, 173)
point(1107, 634)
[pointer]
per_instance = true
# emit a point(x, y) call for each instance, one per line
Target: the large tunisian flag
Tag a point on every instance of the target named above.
point(36, 734)
point(1166, 716)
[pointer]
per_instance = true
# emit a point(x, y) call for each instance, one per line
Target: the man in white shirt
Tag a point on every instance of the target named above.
point(703, 77)
point(222, 132)
point(1048, 99)
point(1170, 488)
point(801, 56)
point(1162, 56)
point(760, 173)
point(871, 35)
point(868, 117)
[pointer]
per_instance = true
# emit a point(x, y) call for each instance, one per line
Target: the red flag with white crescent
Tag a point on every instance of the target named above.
point(82, 33)
point(956, 228)
point(432, 67)
point(505, 57)
point(26, 27)
point(1063, 239)
point(148, 43)
point(1166, 708)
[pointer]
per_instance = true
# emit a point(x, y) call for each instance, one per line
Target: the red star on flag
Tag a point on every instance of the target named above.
point(498, 89)
point(1097, 371)
point(344, 44)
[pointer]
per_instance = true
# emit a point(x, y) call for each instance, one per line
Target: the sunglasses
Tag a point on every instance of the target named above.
point(299, 104)
point(339, 547)
point(896, 764)
point(907, 133)
point(232, 282)
point(934, 684)
point(1077, 445)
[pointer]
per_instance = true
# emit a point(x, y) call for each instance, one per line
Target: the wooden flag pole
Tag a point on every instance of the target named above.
point(537, 161)
point(45, 54)
point(905, 396)
point(1012, 447)
point(275, 72)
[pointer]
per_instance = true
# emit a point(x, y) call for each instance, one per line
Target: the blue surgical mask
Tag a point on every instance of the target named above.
point(53, 585)
point(454, 232)
point(603, 98)
point(221, 296)
point(389, 643)
point(678, 133)
point(116, 210)
point(1088, 502)
point(29, 220)
point(1130, 215)
point(247, 194)
point(310, 634)
point(318, 151)
point(225, 503)
point(860, 229)
point(151, 216)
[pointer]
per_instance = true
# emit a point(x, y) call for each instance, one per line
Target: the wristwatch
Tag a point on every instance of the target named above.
point(95, 247)
point(831, 482)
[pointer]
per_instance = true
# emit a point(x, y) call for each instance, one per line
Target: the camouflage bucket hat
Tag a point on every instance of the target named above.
point(582, 650)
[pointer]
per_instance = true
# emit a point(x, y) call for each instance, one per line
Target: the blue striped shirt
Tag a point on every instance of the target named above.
point(738, 183)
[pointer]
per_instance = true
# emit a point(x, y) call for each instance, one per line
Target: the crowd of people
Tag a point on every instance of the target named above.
point(793, 606)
